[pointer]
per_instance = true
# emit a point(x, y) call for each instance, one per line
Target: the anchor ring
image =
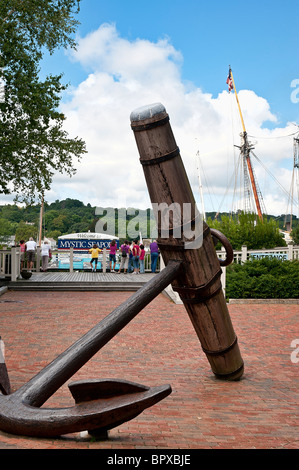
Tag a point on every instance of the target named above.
point(227, 245)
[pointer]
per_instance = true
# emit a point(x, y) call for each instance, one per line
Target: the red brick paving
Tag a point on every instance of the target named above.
point(159, 347)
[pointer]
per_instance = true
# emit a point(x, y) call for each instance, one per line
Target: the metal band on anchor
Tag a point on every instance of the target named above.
point(151, 125)
point(230, 375)
point(163, 158)
point(202, 298)
point(201, 292)
point(220, 351)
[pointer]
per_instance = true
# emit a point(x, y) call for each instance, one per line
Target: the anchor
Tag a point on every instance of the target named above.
point(100, 405)
point(193, 270)
point(4, 379)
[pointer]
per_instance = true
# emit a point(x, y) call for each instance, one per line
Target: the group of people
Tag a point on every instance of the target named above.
point(132, 257)
point(29, 248)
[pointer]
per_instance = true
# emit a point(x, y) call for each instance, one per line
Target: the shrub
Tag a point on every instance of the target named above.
point(263, 279)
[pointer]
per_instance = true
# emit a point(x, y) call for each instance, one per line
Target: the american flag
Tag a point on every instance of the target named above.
point(229, 81)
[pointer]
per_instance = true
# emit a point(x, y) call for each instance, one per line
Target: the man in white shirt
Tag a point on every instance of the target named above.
point(30, 250)
point(46, 251)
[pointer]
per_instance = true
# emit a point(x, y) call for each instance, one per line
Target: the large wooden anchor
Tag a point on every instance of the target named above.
point(100, 404)
point(192, 268)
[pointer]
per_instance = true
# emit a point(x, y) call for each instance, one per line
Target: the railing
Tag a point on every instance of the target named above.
point(69, 260)
point(10, 263)
point(10, 259)
point(289, 252)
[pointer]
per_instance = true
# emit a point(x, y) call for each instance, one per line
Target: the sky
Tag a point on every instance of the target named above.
point(177, 53)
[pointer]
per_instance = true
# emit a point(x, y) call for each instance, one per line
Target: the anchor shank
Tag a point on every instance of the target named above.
point(45, 383)
point(198, 283)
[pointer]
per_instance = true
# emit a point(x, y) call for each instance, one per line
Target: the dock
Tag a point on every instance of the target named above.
point(81, 281)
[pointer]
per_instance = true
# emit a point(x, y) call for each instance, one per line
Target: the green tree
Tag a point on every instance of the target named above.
point(11, 212)
point(25, 231)
point(295, 235)
point(34, 144)
point(53, 234)
point(7, 229)
point(247, 229)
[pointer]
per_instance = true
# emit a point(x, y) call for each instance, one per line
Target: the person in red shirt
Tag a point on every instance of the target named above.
point(22, 251)
point(135, 252)
point(141, 259)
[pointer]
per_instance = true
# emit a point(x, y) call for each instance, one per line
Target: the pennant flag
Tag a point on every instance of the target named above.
point(229, 81)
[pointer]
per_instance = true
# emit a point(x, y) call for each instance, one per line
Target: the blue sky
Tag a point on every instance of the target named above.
point(178, 53)
point(259, 39)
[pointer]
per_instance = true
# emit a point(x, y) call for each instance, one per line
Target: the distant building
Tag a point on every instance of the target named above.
point(8, 240)
point(286, 236)
point(82, 242)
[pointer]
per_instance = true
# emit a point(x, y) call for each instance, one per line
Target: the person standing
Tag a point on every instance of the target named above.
point(112, 255)
point(95, 250)
point(124, 256)
point(46, 252)
point(154, 255)
point(141, 259)
point(135, 253)
point(22, 253)
point(30, 250)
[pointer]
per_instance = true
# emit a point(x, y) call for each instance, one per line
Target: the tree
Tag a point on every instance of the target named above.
point(295, 235)
point(25, 231)
point(7, 229)
point(33, 142)
point(247, 229)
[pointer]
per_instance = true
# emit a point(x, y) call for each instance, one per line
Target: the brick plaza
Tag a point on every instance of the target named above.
point(160, 347)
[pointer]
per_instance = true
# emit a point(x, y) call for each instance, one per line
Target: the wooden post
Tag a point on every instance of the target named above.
point(290, 252)
point(71, 259)
point(198, 283)
point(104, 260)
point(244, 254)
point(14, 267)
point(38, 257)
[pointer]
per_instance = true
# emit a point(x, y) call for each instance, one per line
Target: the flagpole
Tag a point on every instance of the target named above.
point(41, 222)
point(232, 77)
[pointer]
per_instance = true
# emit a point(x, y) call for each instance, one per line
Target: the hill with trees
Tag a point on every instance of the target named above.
point(72, 215)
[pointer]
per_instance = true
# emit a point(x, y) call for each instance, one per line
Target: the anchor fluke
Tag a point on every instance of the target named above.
point(4, 378)
point(100, 405)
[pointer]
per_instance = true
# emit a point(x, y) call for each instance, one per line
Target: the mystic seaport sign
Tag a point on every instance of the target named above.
point(85, 240)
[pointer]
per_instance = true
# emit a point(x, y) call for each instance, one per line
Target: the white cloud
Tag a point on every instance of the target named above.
point(124, 75)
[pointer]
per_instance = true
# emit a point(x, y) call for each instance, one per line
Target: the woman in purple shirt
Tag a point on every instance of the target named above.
point(124, 257)
point(154, 255)
point(112, 257)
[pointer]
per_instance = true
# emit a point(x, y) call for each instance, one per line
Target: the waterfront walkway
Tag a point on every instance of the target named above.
point(160, 347)
point(81, 281)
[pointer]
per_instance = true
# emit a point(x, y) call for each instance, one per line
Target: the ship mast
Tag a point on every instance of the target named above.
point(200, 187)
point(245, 150)
point(41, 222)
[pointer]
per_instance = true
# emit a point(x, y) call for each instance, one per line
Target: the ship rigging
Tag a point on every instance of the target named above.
point(250, 182)
point(251, 199)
